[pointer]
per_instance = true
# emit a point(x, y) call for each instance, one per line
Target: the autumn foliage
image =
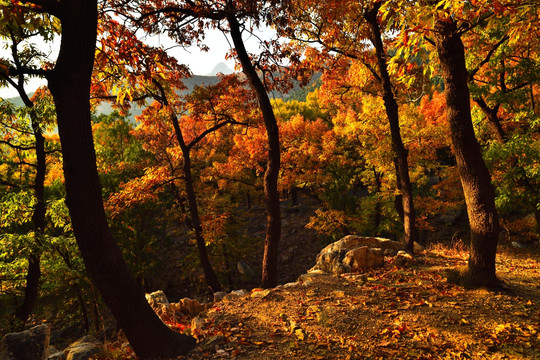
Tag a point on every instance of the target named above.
point(305, 128)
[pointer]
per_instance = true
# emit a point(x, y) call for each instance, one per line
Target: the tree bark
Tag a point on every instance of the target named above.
point(209, 274)
point(271, 194)
point(392, 112)
point(475, 177)
point(69, 83)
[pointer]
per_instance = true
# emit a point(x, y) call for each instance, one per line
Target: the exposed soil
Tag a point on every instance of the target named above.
point(407, 313)
point(389, 313)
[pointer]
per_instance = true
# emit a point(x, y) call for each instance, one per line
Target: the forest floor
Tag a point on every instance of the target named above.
point(389, 313)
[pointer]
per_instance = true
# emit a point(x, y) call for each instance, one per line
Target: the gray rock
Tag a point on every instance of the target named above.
point(31, 344)
point(244, 269)
point(83, 349)
point(218, 296)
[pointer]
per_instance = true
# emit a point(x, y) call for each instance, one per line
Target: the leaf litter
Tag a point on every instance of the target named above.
point(389, 313)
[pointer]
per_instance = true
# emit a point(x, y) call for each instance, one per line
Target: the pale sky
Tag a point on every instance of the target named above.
point(200, 63)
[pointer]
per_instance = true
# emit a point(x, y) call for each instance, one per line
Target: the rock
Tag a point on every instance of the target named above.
point(218, 296)
point(197, 324)
point(312, 274)
point(244, 269)
point(189, 307)
point(364, 258)
point(157, 298)
point(83, 349)
point(31, 344)
point(403, 259)
point(260, 294)
point(336, 258)
point(57, 355)
point(160, 304)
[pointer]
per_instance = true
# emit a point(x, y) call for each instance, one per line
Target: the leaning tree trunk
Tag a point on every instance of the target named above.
point(271, 194)
point(475, 177)
point(69, 83)
point(392, 112)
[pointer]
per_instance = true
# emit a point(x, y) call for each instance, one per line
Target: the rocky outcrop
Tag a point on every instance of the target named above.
point(32, 344)
point(169, 311)
point(355, 253)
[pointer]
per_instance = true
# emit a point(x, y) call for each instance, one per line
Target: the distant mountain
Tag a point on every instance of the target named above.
point(221, 68)
point(198, 80)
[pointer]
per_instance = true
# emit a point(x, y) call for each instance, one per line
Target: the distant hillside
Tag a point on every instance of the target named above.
point(198, 80)
point(190, 83)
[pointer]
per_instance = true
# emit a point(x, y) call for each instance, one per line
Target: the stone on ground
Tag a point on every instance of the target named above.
point(31, 344)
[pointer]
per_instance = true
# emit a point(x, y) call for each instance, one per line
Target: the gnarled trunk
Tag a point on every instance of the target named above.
point(69, 84)
point(475, 177)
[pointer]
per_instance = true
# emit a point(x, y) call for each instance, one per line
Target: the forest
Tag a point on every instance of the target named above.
point(414, 121)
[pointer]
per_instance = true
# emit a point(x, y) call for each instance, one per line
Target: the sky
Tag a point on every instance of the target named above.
point(200, 63)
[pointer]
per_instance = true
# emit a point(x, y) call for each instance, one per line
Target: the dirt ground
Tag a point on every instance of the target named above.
point(389, 313)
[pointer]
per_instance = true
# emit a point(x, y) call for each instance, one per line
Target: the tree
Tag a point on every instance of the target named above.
point(37, 144)
point(341, 28)
point(18, 34)
point(439, 21)
point(148, 336)
point(199, 110)
point(175, 18)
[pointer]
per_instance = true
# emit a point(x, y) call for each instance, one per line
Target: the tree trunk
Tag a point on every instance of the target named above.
point(209, 274)
point(475, 177)
point(392, 112)
point(31, 289)
point(69, 83)
point(33, 276)
point(271, 194)
point(537, 218)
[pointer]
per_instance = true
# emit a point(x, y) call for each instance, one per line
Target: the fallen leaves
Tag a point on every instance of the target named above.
point(386, 314)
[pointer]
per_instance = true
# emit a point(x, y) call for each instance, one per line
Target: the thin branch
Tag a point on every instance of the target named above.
point(488, 56)
point(17, 147)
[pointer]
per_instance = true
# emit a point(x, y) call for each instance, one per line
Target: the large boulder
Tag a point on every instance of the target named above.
point(354, 253)
point(31, 344)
